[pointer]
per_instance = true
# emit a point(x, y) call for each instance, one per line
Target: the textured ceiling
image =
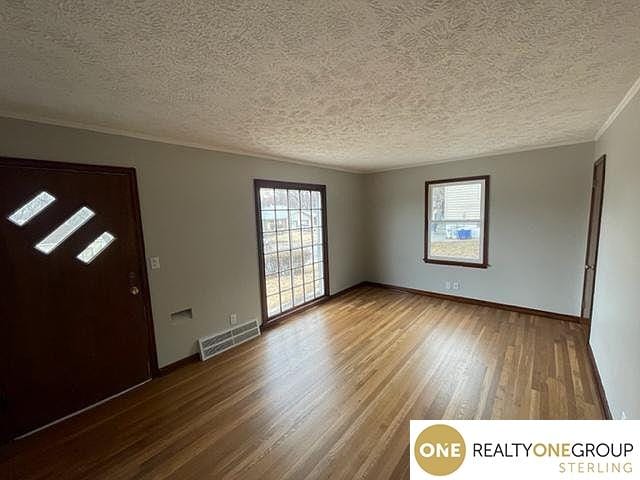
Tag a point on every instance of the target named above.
point(355, 84)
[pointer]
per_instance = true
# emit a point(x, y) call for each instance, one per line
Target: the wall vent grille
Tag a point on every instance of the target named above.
point(220, 342)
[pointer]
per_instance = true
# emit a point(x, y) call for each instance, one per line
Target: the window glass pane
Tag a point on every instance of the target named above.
point(96, 247)
point(308, 273)
point(298, 295)
point(292, 236)
point(305, 218)
point(316, 200)
point(269, 242)
point(305, 199)
point(268, 221)
point(294, 219)
point(317, 253)
point(317, 270)
point(273, 304)
point(285, 280)
point(316, 217)
point(64, 230)
point(456, 223)
point(271, 282)
point(296, 238)
point(284, 259)
point(317, 236)
point(296, 258)
point(455, 240)
point(456, 202)
point(271, 263)
point(266, 198)
point(283, 240)
point(309, 292)
point(286, 298)
point(297, 277)
point(32, 208)
point(307, 237)
point(281, 200)
point(282, 220)
point(294, 199)
point(307, 255)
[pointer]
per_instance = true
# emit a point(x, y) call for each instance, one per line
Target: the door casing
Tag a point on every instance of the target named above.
point(593, 241)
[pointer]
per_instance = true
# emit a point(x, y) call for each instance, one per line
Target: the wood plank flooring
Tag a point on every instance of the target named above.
point(327, 394)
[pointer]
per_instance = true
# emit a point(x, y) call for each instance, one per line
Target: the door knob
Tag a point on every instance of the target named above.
point(134, 290)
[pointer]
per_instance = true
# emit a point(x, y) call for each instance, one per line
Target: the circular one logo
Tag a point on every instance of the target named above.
point(439, 450)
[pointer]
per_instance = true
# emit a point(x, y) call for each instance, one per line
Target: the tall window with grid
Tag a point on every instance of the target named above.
point(292, 243)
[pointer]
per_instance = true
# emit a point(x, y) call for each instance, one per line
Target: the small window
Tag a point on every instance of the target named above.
point(95, 248)
point(457, 212)
point(64, 230)
point(32, 208)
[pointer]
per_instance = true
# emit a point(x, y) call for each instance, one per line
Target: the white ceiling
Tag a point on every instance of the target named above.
point(362, 85)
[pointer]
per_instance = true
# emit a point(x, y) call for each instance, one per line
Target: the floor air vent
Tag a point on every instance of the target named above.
point(215, 344)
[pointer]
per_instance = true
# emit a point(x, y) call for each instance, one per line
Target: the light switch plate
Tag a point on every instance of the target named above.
point(155, 263)
point(233, 319)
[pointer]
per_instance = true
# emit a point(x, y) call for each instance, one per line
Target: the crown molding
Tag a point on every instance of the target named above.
point(496, 153)
point(623, 103)
point(214, 148)
point(166, 140)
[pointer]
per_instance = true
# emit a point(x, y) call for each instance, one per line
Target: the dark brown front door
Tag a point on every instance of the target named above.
point(75, 318)
point(591, 261)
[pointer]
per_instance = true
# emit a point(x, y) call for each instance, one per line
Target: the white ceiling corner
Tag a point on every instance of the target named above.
point(350, 84)
point(631, 93)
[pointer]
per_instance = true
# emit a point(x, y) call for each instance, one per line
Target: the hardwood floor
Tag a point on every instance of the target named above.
point(327, 394)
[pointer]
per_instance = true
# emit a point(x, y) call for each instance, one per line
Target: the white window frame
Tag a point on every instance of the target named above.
point(481, 262)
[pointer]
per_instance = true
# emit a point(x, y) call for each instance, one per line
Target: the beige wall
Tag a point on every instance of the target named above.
point(198, 217)
point(615, 329)
point(537, 231)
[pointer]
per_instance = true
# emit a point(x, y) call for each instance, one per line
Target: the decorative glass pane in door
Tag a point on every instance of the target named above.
point(291, 222)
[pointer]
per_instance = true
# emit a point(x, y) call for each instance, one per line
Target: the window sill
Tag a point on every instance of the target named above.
point(456, 264)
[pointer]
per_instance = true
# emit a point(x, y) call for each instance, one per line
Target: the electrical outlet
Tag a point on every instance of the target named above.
point(456, 285)
point(233, 319)
point(623, 416)
point(447, 285)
